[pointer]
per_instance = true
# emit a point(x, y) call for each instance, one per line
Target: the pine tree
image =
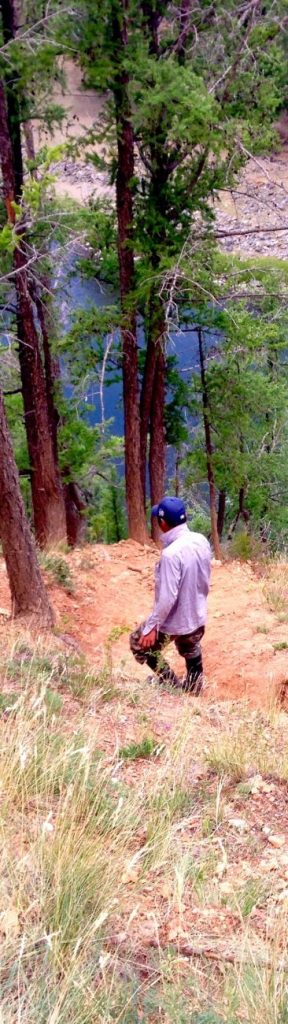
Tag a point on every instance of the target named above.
point(48, 503)
point(28, 593)
point(185, 99)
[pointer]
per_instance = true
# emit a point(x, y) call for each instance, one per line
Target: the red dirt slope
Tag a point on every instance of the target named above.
point(245, 642)
point(114, 590)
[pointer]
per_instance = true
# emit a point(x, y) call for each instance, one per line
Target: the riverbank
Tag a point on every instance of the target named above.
point(253, 216)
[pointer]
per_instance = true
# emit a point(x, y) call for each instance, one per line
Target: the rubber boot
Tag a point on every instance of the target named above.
point(194, 678)
point(163, 671)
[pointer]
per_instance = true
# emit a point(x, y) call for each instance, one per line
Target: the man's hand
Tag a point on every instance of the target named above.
point(149, 640)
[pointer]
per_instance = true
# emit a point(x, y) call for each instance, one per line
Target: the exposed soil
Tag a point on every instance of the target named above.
point(233, 825)
point(114, 588)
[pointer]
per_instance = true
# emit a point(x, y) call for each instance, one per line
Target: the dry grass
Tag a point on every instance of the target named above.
point(120, 894)
point(276, 589)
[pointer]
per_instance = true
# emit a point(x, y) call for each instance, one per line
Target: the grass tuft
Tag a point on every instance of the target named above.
point(146, 748)
point(118, 904)
point(58, 570)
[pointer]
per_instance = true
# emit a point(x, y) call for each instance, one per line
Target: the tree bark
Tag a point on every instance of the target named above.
point(47, 496)
point(242, 513)
point(177, 472)
point(221, 512)
point(75, 504)
point(157, 448)
point(28, 593)
point(75, 508)
point(124, 201)
point(209, 450)
point(152, 395)
point(146, 403)
point(10, 24)
point(157, 436)
point(152, 18)
point(52, 371)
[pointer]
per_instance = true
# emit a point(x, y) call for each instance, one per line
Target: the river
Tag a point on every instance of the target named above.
point(75, 292)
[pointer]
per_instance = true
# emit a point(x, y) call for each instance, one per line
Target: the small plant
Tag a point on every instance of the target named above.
point(228, 757)
point(8, 701)
point(200, 522)
point(110, 694)
point(281, 646)
point(53, 702)
point(147, 748)
point(276, 591)
point(253, 894)
point(116, 633)
point(59, 570)
point(245, 547)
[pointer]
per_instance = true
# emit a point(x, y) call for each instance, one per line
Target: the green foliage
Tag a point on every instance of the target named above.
point(58, 569)
point(8, 702)
point(53, 702)
point(245, 359)
point(146, 748)
point(199, 104)
point(199, 520)
point(244, 547)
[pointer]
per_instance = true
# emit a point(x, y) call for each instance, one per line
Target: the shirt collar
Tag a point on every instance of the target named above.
point(177, 531)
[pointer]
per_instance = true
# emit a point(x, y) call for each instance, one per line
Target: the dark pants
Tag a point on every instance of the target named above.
point(189, 648)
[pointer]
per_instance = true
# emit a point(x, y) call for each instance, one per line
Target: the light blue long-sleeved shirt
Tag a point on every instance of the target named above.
point(181, 583)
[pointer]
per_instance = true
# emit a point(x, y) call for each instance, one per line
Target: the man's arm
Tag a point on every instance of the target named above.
point(169, 583)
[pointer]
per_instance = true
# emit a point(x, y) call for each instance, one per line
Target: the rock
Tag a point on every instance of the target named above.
point(239, 823)
point(269, 865)
point(277, 841)
point(226, 888)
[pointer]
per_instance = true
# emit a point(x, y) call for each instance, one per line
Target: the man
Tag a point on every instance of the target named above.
point(181, 589)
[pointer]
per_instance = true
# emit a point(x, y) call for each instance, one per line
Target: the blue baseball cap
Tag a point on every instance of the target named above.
point(172, 510)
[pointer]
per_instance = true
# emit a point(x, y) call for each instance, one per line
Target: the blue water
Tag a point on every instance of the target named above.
point(75, 292)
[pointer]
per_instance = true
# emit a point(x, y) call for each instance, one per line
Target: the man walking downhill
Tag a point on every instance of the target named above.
point(181, 588)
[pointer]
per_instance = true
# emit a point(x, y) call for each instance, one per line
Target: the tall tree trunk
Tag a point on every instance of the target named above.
point(177, 472)
point(75, 504)
point(242, 513)
point(157, 427)
point(47, 496)
point(28, 593)
point(52, 371)
point(157, 436)
point(124, 201)
point(221, 513)
point(9, 16)
point(75, 507)
point(152, 18)
point(152, 402)
point(147, 390)
point(209, 450)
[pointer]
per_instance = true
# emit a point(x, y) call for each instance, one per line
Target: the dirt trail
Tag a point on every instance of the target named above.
point(113, 591)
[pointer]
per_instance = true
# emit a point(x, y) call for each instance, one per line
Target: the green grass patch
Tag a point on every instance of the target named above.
point(59, 571)
point(148, 747)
